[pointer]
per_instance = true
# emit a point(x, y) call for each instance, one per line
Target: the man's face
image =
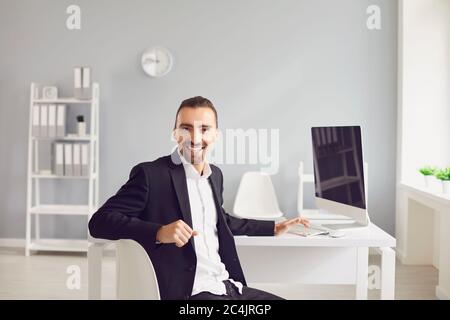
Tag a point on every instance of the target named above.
point(195, 133)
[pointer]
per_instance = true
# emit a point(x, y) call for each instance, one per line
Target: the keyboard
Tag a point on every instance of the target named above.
point(313, 230)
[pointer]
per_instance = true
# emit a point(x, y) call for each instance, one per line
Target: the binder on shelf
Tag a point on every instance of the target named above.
point(76, 159)
point(85, 159)
point(86, 81)
point(68, 167)
point(35, 129)
point(59, 159)
point(77, 81)
point(61, 120)
point(52, 120)
point(43, 132)
point(82, 83)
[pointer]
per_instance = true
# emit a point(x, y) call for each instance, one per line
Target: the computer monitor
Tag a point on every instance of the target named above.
point(339, 172)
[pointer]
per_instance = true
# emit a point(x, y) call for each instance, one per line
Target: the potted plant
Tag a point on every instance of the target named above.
point(444, 176)
point(428, 173)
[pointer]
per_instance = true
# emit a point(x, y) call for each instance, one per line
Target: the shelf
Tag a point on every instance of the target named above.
point(54, 176)
point(66, 138)
point(36, 173)
point(69, 245)
point(63, 100)
point(54, 209)
point(438, 197)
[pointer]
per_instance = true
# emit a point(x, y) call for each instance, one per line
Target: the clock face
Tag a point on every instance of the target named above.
point(49, 93)
point(157, 61)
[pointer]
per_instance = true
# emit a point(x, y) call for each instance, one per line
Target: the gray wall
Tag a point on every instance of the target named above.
point(265, 64)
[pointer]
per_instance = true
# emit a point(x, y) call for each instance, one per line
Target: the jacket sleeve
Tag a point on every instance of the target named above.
point(119, 217)
point(249, 227)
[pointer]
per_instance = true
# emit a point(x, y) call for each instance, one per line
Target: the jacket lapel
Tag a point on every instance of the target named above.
point(179, 182)
point(212, 181)
point(178, 177)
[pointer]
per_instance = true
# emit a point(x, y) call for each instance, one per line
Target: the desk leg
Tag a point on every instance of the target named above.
point(362, 271)
point(94, 255)
point(387, 273)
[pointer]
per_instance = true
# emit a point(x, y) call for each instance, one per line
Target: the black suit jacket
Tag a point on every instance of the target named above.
point(156, 194)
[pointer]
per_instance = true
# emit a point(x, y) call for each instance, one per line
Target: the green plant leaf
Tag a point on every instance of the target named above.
point(443, 174)
point(428, 170)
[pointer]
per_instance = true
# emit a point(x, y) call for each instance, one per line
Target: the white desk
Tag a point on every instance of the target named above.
point(295, 259)
point(291, 258)
point(422, 230)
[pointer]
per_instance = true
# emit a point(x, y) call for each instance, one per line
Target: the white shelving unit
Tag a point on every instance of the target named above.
point(34, 207)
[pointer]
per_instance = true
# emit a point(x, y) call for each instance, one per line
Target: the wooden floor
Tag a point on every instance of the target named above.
point(43, 276)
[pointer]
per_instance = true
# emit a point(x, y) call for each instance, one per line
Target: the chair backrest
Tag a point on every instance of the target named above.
point(256, 197)
point(136, 278)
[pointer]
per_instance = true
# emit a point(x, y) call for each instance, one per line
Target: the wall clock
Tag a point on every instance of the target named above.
point(157, 61)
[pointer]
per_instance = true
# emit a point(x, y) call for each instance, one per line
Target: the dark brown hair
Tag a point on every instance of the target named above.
point(196, 102)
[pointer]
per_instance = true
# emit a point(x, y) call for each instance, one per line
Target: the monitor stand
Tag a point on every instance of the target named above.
point(325, 219)
point(341, 226)
point(320, 214)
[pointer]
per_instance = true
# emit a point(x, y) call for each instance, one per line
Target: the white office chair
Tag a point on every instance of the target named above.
point(256, 198)
point(136, 278)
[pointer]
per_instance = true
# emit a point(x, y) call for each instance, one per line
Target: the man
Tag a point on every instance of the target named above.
point(173, 207)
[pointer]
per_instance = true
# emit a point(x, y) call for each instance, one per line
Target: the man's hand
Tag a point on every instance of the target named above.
point(177, 232)
point(282, 227)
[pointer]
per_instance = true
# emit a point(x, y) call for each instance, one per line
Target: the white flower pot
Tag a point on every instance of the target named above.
point(433, 184)
point(428, 181)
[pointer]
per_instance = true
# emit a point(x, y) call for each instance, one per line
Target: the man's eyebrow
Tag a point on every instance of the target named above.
point(191, 126)
point(186, 125)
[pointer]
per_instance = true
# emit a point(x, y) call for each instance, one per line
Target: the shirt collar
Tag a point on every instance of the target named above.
point(190, 170)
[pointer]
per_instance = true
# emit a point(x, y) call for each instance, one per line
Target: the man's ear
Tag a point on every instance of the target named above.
point(218, 134)
point(174, 135)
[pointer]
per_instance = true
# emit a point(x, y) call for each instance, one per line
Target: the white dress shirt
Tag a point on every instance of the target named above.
point(210, 272)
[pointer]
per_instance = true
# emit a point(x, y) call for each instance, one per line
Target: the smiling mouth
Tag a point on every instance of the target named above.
point(196, 148)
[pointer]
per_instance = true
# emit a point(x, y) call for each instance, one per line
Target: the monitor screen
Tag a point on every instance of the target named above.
point(338, 165)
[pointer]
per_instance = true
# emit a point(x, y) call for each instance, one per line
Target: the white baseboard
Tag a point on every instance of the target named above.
point(12, 242)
